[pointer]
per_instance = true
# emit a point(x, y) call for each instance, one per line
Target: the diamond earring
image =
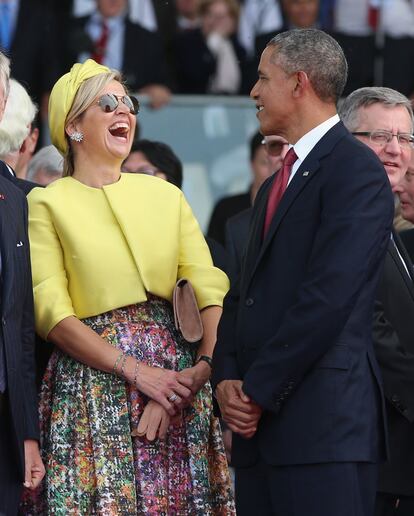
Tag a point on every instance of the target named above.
point(76, 136)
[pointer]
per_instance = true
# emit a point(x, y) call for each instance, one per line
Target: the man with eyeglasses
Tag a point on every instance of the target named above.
point(382, 118)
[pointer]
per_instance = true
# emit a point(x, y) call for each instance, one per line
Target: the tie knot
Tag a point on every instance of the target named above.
point(290, 158)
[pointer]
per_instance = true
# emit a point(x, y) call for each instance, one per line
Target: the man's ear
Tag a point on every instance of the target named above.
point(301, 85)
point(30, 142)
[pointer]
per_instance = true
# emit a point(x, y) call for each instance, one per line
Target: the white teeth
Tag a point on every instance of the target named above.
point(260, 108)
point(119, 125)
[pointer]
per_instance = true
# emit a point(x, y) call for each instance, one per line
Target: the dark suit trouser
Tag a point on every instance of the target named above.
point(394, 505)
point(10, 481)
point(334, 489)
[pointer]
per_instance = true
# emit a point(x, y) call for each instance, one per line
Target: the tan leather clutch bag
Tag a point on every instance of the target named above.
point(186, 313)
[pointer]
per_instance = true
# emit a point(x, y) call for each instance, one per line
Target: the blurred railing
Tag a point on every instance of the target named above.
point(210, 134)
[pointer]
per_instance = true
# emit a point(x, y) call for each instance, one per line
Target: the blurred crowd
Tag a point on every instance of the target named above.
point(198, 46)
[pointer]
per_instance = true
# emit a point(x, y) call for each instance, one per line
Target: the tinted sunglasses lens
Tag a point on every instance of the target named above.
point(132, 104)
point(108, 103)
point(274, 148)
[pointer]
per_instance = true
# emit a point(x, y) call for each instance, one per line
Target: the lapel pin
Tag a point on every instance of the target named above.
point(2, 197)
point(306, 173)
point(19, 244)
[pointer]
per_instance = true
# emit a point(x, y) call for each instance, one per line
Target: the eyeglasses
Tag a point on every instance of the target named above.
point(405, 140)
point(274, 147)
point(142, 170)
point(109, 102)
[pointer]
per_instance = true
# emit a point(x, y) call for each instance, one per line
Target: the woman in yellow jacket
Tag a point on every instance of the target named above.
point(107, 249)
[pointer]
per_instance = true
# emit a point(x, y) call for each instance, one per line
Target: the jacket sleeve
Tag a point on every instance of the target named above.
point(50, 282)
point(195, 263)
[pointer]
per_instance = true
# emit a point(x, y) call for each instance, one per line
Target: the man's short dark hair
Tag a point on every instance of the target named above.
point(317, 54)
point(163, 158)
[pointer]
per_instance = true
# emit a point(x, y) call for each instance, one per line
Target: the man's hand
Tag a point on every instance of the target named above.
point(159, 95)
point(34, 469)
point(239, 412)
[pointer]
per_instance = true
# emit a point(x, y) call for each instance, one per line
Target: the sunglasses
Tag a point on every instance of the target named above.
point(274, 147)
point(109, 102)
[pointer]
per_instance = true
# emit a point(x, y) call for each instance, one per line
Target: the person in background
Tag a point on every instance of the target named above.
point(108, 36)
point(154, 159)
point(209, 59)
point(405, 191)
point(159, 160)
point(297, 14)
point(18, 135)
point(188, 14)
point(122, 388)
point(20, 460)
point(45, 166)
point(267, 153)
point(294, 348)
point(28, 36)
point(382, 119)
point(262, 165)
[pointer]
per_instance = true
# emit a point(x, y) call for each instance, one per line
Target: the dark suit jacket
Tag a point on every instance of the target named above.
point(34, 60)
point(143, 54)
point(196, 64)
point(407, 237)
point(43, 349)
point(17, 324)
point(222, 211)
point(237, 234)
point(22, 184)
point(394, 348)
point(298, 328)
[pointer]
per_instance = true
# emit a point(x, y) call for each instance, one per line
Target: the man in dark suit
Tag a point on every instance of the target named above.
point(294, 369)
point(19, 451)
point(383, 119)
point(137, 52)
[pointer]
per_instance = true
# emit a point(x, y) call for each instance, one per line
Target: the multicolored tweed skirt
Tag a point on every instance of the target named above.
point(94, 466)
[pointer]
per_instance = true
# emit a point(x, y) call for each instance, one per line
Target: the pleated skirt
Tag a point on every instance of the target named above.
point(93, 465)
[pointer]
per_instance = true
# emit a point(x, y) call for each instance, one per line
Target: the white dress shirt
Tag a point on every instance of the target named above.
point(308, 141)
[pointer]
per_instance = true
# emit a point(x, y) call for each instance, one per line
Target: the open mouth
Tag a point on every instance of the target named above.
point(119, 130)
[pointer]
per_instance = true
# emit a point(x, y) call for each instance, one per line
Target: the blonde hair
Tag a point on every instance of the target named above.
point(84, 98)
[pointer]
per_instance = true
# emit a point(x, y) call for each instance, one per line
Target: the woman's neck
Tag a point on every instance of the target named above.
point(97, 174)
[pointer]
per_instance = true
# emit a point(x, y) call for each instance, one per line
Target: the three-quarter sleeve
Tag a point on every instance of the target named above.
point(195, 263)
point(50, 283)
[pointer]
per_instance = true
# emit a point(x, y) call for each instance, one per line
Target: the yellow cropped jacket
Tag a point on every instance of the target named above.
point(96, 249)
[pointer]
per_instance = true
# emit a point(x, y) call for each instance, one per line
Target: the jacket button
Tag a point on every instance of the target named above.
point(395, 398)
point(249, 301)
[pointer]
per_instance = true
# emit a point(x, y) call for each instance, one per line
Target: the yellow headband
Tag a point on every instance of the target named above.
point(63, 95)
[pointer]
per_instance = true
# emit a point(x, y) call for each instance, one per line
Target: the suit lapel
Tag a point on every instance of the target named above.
point(305, 173)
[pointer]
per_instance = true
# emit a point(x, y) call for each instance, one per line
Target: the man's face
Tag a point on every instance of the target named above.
point(302, 14)
point(272, 94)
point(109, 8)
point(405, 190)
point(396, 120)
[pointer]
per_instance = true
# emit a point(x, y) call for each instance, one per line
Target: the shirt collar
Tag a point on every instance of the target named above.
point(308, 141)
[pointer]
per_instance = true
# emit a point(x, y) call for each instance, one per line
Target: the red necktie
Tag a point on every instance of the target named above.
point(373, 15)
point(100, 44)
point(278, 188)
